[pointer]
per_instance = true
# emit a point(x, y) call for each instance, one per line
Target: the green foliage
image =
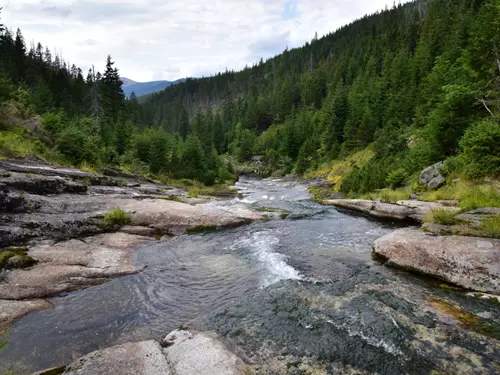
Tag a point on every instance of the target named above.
point(481, 149)
point(396, 178)
point(116, 217)
point(53, 122)
point(243, 145)
point(77, 143)
point(441, 216)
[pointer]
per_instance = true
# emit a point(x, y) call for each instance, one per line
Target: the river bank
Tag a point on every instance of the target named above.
point(54, 237)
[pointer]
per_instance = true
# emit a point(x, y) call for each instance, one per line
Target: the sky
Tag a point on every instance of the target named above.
point(172, 39)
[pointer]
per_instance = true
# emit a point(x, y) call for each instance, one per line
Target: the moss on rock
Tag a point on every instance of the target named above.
point(15, 257)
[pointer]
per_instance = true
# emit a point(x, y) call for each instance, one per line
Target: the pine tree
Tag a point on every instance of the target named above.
point(113, 98)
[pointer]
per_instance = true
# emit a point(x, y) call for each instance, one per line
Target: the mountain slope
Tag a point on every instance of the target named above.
point(144, 88)
point(415, 84)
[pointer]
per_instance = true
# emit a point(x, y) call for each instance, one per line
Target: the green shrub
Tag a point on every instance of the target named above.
point(396, 178)
point(441, 216)
point(480, 149)
point(77, 145)
point(53, 122)
point(116, 217)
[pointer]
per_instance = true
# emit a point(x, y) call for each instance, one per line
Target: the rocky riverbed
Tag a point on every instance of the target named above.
point(297, 294)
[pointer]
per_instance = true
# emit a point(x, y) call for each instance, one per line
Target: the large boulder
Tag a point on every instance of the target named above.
point(193, 353)
point(471, 262)
point(431, 177)
point(180, 353)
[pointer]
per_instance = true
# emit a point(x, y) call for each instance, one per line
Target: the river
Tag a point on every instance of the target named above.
point(305, 283)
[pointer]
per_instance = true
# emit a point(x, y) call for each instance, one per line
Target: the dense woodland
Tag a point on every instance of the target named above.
point(414, 84)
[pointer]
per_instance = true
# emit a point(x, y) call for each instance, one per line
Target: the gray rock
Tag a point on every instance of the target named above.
point(11, 201)
point(436, 183)
point(11, 310)
point(186, 353)
point(471, 262)
point(140, 231)
point(135, 358)
point(23, 166)
point(72, 265)
point(450, 202)
point(407, 210)
point(39, 184)
point(360, 205)
point(475, 217)
point(430, 173)
point(192, 353)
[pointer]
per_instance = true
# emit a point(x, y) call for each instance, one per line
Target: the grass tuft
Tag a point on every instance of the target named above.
point(441, 216)
point(470, 196)
point(490, 227)
point(392, 196)
point(116, 217)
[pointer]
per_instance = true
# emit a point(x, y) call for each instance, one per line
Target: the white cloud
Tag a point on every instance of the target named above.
point(159, 39)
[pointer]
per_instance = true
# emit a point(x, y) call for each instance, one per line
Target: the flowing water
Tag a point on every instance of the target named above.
point(214, 279)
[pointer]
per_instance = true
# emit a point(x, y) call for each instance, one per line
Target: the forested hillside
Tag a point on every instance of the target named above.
point(49, 110)
point(414, 84)
point(403, 88)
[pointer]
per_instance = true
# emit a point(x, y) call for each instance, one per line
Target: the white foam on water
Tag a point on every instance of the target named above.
point(261, 245)
point(379, 343)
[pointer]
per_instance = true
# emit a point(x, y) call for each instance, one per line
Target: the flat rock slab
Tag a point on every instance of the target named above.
point(72, 265)
point(11, 310)
point(406, 210)
point(471, 262)
point(175, 217)
point(39, 184)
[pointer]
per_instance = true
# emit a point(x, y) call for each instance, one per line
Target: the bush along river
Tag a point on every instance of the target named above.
point(298, 293)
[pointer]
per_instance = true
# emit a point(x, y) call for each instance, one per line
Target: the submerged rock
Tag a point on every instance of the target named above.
point(11, 310)
point(471, 262)
point(368, 323)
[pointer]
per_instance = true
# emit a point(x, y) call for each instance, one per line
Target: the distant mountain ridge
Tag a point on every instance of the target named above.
point(145, 88)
